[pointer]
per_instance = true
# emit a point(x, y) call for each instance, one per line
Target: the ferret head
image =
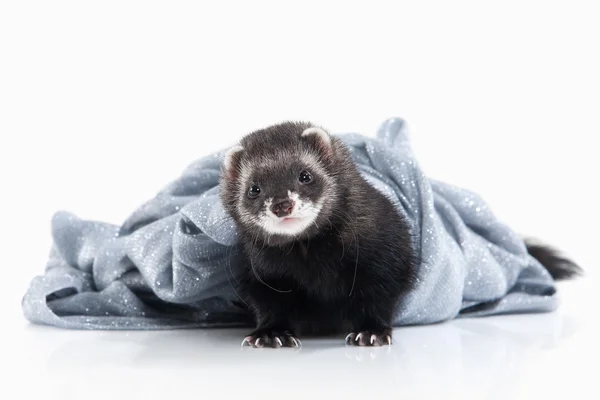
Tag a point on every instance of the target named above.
point(278, 183)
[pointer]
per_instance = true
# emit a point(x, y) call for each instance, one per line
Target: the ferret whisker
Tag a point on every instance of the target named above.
point(291, 248)
point(230, 271)
point(228, 263)
point(342, 239)
point(353, 231)
point(256, 273)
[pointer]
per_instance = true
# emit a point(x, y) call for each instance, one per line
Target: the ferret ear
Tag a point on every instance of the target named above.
point(320, 139)
point(231, 162)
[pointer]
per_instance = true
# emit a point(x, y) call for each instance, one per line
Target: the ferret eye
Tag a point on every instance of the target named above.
point(305, 177)
point(254, 191)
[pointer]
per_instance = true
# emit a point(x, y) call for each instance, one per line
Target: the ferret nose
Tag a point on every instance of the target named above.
point(282, 208)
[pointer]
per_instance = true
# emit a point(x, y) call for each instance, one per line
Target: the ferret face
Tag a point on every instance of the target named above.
point(276, 183)
point(282, 199)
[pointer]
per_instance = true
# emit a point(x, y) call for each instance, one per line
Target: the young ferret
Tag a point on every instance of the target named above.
point(325, 253)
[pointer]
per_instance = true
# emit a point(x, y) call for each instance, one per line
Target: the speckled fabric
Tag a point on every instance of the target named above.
point(168, 266)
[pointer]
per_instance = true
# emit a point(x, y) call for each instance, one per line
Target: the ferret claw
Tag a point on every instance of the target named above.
point(347, 340)
point(367, 338)
point(268, 338)
point(297, 342)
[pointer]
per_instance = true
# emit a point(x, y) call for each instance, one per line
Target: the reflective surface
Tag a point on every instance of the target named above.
point(517, 356)
point(102, 103)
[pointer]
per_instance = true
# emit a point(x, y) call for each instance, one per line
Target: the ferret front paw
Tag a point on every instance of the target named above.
point(271, 338)
point(369, 338)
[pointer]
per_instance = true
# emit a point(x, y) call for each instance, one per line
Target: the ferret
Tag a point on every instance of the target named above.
point(324, 252)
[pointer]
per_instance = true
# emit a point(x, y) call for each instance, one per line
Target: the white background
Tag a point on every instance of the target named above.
point(103, 103)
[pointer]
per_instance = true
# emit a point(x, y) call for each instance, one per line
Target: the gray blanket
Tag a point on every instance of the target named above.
point(168, 265)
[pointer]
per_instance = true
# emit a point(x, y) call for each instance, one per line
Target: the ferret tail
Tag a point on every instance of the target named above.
point(559, 267)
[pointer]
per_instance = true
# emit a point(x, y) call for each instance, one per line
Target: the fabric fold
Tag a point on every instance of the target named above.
point(172, 263)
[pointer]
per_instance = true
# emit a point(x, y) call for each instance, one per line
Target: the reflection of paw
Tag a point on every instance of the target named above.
point(370, 338)
point(367, 353)
point(271, 338)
